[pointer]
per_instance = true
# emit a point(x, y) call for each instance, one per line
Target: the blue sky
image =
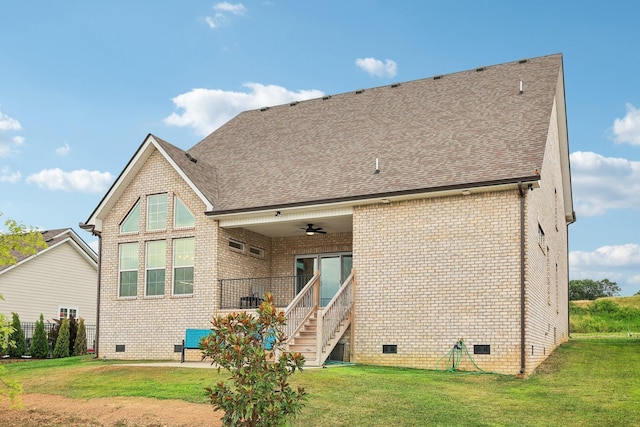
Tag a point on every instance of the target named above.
point(82, 83)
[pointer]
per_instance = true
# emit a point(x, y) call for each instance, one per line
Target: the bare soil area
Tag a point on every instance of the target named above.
point(46, 410)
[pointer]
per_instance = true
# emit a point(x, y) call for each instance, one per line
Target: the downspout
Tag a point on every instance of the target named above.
point(97, 337)
point(522, 277)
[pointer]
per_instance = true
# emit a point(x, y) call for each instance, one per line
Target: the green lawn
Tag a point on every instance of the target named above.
point(590, 381)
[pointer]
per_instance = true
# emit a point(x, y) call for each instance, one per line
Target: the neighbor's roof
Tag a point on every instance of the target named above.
point(53, 238)
point(461, 129)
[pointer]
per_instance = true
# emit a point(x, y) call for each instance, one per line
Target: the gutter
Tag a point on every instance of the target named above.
point(522, 281)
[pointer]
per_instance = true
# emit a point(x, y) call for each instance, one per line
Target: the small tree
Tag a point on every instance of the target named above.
point(18, 347)
point(62, 343)
point(80, 347)
point(39, 345)
point(73, 332)
point(259, 393)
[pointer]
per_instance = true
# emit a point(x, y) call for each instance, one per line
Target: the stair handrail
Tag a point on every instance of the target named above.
point(302, 306)
point(333, 314)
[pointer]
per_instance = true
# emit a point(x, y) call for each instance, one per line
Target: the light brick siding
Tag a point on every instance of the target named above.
point(547, 320)
point(428, 273)
point(149, 327)
point(433, 271)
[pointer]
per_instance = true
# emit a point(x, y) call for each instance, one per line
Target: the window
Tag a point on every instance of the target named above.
point(182, 216)
point(155, 267)
point(183, 254)
point(156, 212)
point(236, 245)
point(256, 251)
point(66, 313)
point(131, 223)
point(128, 270)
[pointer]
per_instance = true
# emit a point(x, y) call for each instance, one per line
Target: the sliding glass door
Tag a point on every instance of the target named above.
point(334, 269)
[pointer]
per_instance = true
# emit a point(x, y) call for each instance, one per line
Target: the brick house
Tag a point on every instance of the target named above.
point(391, 221)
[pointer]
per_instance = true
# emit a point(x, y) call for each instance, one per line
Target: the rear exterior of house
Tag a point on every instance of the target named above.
point(392, 223)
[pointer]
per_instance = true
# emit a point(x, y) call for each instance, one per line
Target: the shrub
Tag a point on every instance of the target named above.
point(243, 344)
point(39, 345)
point(62, 343)
point(73, 332)
point(80, 346)
point(19, 346)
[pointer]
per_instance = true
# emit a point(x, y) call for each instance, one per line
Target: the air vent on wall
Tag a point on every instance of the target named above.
point(389, 349)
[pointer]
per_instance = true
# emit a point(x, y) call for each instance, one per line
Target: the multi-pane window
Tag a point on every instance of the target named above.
point(156, 212)
point(155, 267)
point(183, 254)
point(182, 216)
point(66, 313)
point(131, 223)
point(128, 270)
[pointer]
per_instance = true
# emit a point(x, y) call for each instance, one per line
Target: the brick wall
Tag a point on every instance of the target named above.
point(547, 286)
point(433, 271)
point(149, 327)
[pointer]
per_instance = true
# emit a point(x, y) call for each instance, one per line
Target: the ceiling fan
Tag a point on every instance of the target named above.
point(310, 230)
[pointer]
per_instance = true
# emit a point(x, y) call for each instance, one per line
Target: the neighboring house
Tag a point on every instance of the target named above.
point(434, 210)
point(58, 281)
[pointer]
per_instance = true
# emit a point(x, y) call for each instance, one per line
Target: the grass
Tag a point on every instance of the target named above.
point(590, 381)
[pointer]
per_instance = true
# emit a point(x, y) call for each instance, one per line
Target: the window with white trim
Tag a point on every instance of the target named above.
point(183, 256)
point(182, 216)
point(236, 245)
point(67, 313)
point(156, 212)
point(128, 269)
point(131, 223)
point(155, 267)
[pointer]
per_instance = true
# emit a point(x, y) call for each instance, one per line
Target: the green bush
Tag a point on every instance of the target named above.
point(604, 315)
point(259, 393)
point(73, 332)
point(39, 344)
point(19, 346)
point(62, 343)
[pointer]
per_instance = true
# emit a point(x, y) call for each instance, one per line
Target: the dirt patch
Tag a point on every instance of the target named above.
point(46, 410)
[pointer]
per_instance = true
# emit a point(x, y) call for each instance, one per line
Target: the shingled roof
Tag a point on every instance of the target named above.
point(470, 128)
point(52, 238)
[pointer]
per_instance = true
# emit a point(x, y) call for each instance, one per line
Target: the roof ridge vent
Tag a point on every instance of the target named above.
point(359, 91)
point(293, 103)
point(264, 108)
point(395, 84)
point(438, 77)
point(481, 68)
point(523, 61)
point(326, 97)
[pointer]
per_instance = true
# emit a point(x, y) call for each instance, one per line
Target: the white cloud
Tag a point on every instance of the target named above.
point(377, 68)
point(79, 180)
point(205, 110)
point(236, 9)
point(64, 150)
point(8, 123)
point(603, 183)
point(608, 256)
point(221, 17)
point(8, 144)
point(7, 176)
point(627, 129)
point(617, 263)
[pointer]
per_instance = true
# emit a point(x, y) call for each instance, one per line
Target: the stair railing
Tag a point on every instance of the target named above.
point(302, 306)
point(333, 315)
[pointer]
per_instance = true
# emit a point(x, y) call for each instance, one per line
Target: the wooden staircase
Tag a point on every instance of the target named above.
point(305, 341)
point(315, 331)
